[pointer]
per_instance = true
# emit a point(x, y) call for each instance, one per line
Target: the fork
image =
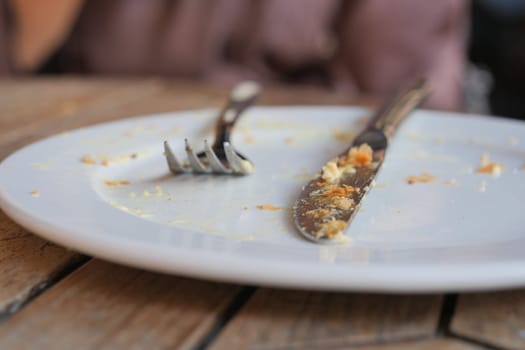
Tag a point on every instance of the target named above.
point(221, 157)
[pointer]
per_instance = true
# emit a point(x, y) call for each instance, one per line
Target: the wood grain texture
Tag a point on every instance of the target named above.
point(27, 265)
point(35, 108)
point(434, 344)
point(103, 305)
point(280, 319)
point(106, 306)
point(494, 318)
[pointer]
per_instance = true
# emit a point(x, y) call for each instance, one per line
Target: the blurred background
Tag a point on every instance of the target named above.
point(473, 52)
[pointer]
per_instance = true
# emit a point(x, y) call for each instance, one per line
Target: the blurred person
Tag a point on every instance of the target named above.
point(360, 46)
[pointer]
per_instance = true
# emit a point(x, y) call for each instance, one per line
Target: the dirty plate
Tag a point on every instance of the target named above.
point(106, 191)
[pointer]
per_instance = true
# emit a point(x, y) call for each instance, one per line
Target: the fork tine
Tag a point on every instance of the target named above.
point(174, 165)
point(236, 162)
point(214, 162)
point(195, 163)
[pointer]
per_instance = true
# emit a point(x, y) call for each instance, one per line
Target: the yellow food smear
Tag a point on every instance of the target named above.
point(488, 167)
point(423, 178)
point(268, 207)
point(337, 191)
point(452, 182)
point(35, 193)
point(87, 159)
point(113, 183)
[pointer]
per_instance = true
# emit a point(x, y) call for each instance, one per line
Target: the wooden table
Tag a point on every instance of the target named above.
point(54, 298)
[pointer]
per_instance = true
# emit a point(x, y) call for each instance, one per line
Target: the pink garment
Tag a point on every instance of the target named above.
point(360, 46)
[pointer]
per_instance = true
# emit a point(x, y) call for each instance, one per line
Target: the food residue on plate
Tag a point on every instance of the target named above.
point(422, 178)
point(35, 193)
point(288, 140)
point(133, 211)
point(249, 139)
point(113, 183)
point(106, 160)
point(87, 159)
point(269, 207)
point(451, 182)
point(488, 167)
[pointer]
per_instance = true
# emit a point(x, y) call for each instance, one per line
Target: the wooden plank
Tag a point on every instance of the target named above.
point(494, 318)
point(281, 319)
point(32, 109)
point(27, 265)
point(106, 306)
point(434, 344)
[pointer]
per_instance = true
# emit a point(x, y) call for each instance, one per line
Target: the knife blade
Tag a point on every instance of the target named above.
point(328, 203)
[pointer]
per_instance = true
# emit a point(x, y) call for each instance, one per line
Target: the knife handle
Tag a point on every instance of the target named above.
point(388, 118)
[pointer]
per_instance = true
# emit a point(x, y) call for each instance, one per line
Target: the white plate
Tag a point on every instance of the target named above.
point(422, 237)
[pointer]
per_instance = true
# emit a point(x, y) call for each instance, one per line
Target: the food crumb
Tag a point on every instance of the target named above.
point(268, 207)
point(380, 185)
point(422, 178)
point(244, 208)
point(105, 162)
point(288, 140)
point(249, 139)
point(356, 157)
point(113, 183)
point(488, 167)
point(87, 159)
point(451, 182)
point(332, 228)
point(35, 193)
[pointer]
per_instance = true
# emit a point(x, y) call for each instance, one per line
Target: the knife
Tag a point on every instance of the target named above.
point(328, 203)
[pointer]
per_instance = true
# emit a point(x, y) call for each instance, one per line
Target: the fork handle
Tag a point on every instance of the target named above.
point(388, 118)
point(242, 96)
